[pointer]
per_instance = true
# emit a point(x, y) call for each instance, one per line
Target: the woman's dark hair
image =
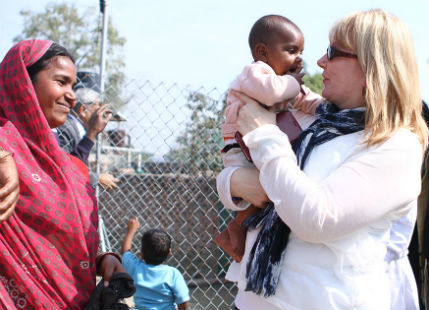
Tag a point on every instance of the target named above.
point(156, 245)
point(53, 51)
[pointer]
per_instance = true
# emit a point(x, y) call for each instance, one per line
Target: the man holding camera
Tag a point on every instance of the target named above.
point(77, 136)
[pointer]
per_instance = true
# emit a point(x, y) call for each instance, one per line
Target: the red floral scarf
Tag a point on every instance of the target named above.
point(48, 245)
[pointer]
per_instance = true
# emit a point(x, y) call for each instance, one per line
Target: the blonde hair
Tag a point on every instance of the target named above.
point(385, 52)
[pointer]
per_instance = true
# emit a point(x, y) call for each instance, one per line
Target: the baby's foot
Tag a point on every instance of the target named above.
point(237, 236)
point(223, 240)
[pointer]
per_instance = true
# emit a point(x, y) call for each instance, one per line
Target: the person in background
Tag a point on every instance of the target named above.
point(77, 135)
point(159, 286)
point(350, 184)
point(49, 242)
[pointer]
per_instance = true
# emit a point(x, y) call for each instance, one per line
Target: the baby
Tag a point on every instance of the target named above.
point(275, 80)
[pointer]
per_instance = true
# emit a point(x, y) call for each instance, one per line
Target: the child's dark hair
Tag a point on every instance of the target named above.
point(156, 245)
point(264, 28)
point(53, 51)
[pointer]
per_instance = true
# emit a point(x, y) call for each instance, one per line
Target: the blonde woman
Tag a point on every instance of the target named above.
point(358, 173)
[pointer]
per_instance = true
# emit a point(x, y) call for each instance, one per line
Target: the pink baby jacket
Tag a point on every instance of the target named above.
point(259, 81)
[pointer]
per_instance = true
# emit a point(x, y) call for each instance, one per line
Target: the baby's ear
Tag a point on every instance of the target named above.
point(260, 52)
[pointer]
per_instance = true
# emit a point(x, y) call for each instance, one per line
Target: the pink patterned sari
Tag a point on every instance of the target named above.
point(48, 245)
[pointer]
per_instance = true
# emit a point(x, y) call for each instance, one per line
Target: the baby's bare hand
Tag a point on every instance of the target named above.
point(298, 76)
point(279, 107)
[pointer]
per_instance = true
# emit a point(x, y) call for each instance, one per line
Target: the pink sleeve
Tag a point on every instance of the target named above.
point(262, 84)
point(307, 102)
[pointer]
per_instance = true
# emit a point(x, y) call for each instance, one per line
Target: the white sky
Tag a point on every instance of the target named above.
point(204, 43)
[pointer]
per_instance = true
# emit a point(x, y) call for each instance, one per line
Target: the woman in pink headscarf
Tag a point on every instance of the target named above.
point(48, 245)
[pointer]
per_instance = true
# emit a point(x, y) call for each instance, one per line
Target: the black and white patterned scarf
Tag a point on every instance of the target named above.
point(265, 260)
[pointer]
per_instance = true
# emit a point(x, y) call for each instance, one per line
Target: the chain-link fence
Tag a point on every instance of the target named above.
point(164, 148)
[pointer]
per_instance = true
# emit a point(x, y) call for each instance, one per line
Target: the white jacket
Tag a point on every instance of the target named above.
point(340, 212)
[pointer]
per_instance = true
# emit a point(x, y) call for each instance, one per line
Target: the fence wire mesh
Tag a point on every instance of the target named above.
point(164, 148)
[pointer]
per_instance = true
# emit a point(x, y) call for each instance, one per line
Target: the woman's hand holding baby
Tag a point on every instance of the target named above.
point(245, 184)
point(252, 115)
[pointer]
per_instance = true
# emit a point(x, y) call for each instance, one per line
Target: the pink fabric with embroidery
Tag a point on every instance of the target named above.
point(48, 245)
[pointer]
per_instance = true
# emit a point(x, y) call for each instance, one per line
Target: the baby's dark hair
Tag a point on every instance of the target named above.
point(265, 27)
point(156, 246)
point(53, 51)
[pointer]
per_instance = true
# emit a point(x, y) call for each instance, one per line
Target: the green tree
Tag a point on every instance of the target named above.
point(314, 82)
point(80, 33)
point(198, 148)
